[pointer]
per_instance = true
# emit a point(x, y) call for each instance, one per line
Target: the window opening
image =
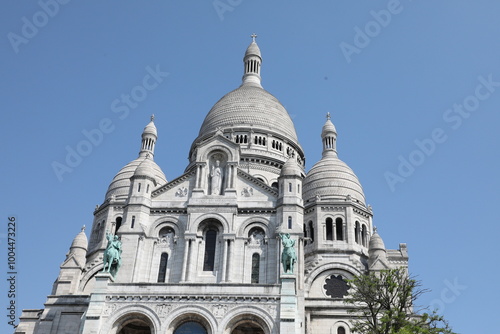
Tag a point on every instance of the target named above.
point(162, 272)
point(210, 242)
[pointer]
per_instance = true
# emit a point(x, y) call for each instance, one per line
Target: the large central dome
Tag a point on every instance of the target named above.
point(253, 118)
point(253, 107)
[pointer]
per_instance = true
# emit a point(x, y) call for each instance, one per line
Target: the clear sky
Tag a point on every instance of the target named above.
point(413, 88)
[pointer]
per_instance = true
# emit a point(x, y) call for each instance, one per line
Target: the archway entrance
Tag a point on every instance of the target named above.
point(248, 328)
point(136, 327)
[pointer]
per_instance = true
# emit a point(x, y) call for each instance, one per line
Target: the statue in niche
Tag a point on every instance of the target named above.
point(288, 256)
point(216, 176)
point(257, 237)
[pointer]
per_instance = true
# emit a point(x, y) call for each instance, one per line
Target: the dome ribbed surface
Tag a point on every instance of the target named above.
point(328, 128)
point(376, 242)
point(249, 106)
point(80, 241)
point(119, 186)
point(150, 129)
point(253, 50)
point(331, 178)
point(146, 168)
point(291, 168)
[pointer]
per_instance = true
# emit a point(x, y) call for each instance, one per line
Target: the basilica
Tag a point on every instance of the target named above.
point(246, 241)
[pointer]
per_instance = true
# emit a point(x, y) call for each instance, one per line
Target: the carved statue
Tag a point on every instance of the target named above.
point(288, 256)
point(112, 254)
point(216, 175)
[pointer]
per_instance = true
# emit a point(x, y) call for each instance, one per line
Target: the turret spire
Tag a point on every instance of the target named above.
point(253, 61)
point(149, 137)
point(329, 137)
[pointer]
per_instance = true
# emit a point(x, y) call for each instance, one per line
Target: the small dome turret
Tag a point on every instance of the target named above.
point(291, 168)
point(376, 252)
point(119, 186)
point(80, 241)
point(330, 177)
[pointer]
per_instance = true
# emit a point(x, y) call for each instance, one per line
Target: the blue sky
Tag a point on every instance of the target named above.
point(413, 88)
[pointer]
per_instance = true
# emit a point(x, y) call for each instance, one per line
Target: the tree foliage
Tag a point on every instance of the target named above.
point(384, 304)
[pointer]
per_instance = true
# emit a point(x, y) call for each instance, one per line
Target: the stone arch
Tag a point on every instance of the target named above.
point(262, 178)
point(159, 223)
point(198, 223)
point(247, 315)
point(132, 314)
point(252, 222)
point(341, 323)
point(191, 313)
point(89, 276)
point(210, 151)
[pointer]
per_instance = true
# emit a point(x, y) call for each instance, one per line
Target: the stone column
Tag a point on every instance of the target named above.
point(97, 301)
point(187, 248)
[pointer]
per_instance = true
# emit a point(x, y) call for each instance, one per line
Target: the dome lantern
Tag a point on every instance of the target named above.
point(149, 137)
point(252, 61)
point(329, 137)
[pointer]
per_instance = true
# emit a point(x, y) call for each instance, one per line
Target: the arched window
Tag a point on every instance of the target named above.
point(339, 229)
point(139, 188)
point(311, 231)
point(136, 326)
point(162, 272)
point(210, 243)
point(363, 235)
point(247, 328)
point(340, 330)
point(289, 222)
point(289, 187)
point(356, 232)
point(329, 229)
point(190, 327)
point(255, 268)
point(118, 224)
point(304, 227)
point(133, 222)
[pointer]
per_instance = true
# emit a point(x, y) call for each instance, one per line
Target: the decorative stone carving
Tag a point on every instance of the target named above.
point(181, 192)
point(336, 286)
point(163, 310)
point(247, 192)
point(108, 310)
point(257, 238)
point(167, 239)
point(219, 310)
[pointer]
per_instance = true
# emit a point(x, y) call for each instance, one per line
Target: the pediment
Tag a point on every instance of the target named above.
point(70, 262)
point(249, 187)
point(179, 189)
point(379, 264)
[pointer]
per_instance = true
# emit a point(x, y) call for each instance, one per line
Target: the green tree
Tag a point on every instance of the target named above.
point(384, 303)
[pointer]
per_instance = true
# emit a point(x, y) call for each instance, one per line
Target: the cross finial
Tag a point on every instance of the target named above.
point(83, 228)
point(374, 229)
point(328, 116)
point(254, 36)
point(152, 117)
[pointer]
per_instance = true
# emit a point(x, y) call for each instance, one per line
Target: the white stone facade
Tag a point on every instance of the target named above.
point(202, 253)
